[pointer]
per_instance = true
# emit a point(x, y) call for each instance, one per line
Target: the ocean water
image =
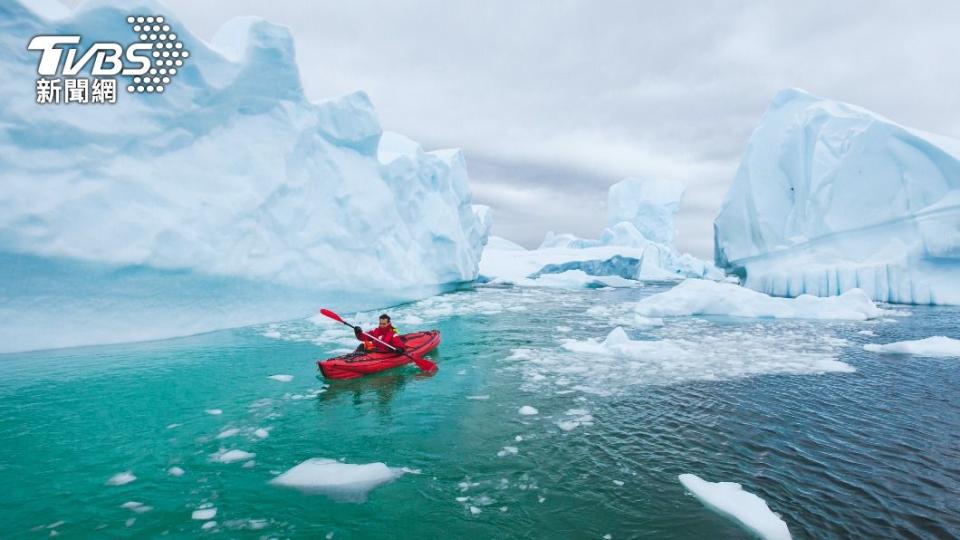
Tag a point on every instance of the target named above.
point(841, 443)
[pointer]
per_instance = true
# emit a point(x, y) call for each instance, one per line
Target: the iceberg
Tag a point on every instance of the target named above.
point(636, 245)
point(231, 199)
point(831, 197)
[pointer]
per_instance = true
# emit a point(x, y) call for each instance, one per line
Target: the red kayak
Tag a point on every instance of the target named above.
point(358, 364)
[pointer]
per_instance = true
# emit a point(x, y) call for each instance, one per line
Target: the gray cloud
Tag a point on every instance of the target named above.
point(553, 101)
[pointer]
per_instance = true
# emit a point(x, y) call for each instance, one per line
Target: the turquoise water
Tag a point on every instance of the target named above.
point(868, 452)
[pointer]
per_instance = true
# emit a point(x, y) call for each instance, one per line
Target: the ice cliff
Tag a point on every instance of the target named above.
point(228, 200)
point(830, 197)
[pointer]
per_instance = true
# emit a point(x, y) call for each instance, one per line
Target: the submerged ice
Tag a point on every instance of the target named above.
point(830, 197)
point(230, 199)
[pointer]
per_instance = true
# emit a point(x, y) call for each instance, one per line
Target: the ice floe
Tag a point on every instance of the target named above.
point(204, 514)
point(730, 500)
point(281, 378)
point(705, 297)
point(941, 346)
point(175, 471)
point(231, 456)
point(527, 410)
point(340, 481)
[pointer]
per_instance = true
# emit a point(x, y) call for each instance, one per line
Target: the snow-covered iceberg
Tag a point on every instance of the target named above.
point(637, 244)
point(830, 197)
point(230, 199)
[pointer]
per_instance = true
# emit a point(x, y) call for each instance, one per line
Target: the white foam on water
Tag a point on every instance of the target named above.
point(730, 500)
point(281, 378)
point(214, 412)
point(231, 456)
point(204, 514)
point(936, 346)
point(340, 481)
point(122, 478)
point(575, 418)
point(527, 410)
point(479, 398)
point(172, 426)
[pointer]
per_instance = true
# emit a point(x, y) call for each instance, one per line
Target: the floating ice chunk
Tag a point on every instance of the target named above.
point(479, 398)
point(130, 522)
point(618, 482)
point(175, 471)
point(204, 514)
point(578, 279)
point(261, 433)
point(137, 507)
point(527, 410)
point(208, 525)
point(704, 297)
point(172, 426)
point(339, 481)
point(281, 378)
point(870, 333)
point(230, 456)
point(474, 510)
point(228, 433)
point(729, 499)
point(215, 412)
point(507, 451)
point(120, 479)
point(937, 346)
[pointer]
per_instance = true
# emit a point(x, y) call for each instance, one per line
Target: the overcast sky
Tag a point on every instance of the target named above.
point(554, 101)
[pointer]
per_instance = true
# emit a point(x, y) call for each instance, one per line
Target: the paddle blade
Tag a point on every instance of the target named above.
point(423, 363)
point(332, 315)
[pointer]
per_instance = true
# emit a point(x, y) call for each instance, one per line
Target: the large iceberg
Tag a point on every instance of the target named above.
point(637, 244)
point(228, 200)
point(830, 197)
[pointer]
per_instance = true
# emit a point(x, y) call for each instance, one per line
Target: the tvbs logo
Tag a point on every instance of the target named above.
point(148, 64)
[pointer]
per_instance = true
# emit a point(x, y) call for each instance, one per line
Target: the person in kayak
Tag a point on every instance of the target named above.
point(385, 332)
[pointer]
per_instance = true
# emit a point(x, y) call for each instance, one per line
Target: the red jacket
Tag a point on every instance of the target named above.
point(388, 335)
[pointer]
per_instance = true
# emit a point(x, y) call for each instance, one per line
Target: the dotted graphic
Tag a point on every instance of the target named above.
point(168, 53)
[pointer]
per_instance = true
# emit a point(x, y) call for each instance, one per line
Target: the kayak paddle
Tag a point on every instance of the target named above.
point(421, 363)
